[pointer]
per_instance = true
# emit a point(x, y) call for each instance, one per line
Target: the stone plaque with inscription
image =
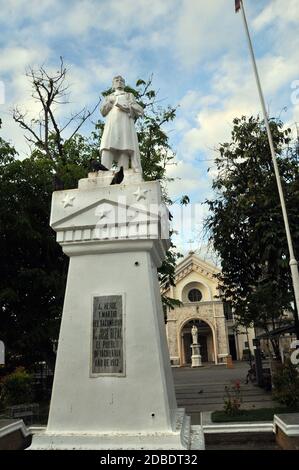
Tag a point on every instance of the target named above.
point(108, 336)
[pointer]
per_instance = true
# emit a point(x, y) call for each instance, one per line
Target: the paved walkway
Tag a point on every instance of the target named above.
point(202, 389)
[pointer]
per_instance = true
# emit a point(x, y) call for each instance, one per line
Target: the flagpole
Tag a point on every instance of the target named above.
point(293, 263)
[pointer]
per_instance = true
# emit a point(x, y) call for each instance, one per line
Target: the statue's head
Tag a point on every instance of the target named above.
point(118, 83)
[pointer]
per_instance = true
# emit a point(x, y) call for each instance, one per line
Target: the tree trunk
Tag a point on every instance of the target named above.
point(275, 346)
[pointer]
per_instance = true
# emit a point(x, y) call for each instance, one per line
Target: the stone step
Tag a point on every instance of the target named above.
point(186, 401)
point(245, 446)
point(240, 441)
point(197, 407)
point(255, 393)
point(214, 386)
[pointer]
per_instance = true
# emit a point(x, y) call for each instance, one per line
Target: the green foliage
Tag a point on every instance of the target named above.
point(245, 223)
point(16, 388)
point(184, 200)
point(259, 414)
point(232, 399)
point(32, 265)
point(286, 384)
point(7, 152)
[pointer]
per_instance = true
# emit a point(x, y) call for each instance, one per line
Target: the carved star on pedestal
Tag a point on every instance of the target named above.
point(68, 200)
point(140, 193)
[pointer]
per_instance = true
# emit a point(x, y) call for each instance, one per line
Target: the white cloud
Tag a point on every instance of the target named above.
point(194, 98)
point(276, 10)
point(187, 223)
point(231, 96)
point(17, 58)
point(189, 31)
point(15, 11)
point(204, 29)
point(277, 71)
point(187, 179)
point(107, 16)
point(234, 93)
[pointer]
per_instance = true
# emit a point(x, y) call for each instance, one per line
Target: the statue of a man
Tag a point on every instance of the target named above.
point(194, 332)
point(119, 142)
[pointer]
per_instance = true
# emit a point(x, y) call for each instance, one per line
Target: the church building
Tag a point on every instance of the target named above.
point(198, 290)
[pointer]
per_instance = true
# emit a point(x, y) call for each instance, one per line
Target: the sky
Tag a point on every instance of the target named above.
point(197, 53)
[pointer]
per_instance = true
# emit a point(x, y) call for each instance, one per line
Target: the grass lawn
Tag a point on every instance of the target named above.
point(261, 414)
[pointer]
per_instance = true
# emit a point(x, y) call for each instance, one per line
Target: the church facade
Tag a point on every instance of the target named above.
point(197, 289)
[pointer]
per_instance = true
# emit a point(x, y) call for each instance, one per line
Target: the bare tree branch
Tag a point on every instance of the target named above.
point(73, 118)
point(20, 119)
point(83, 119)
point(50, 90)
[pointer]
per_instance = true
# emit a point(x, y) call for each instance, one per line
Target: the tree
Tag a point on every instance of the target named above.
point(44, 132)
point(33, 265)
point(246, 227)
point(286, 384)
point(16, 388)
point(33, 268)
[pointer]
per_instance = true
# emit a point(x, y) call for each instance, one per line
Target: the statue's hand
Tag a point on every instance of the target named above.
point(111, 99)
point(123, 107)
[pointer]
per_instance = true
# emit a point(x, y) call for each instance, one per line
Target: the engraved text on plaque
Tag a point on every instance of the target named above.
point(107, 338)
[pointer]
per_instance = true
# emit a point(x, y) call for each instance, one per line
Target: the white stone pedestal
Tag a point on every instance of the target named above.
point(196, 357)
point(114, 238)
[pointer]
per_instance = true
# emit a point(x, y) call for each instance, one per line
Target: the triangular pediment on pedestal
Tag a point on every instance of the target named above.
point(104, 212)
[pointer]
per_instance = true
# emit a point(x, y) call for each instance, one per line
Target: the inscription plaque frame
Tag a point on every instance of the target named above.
point(109, 338)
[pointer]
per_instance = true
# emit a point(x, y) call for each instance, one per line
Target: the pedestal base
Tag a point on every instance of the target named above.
point(101, 179)
point(196, 356)
point(185, 437)
point(113, 387)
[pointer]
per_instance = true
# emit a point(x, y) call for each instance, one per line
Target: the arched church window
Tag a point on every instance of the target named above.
point(194, 295)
